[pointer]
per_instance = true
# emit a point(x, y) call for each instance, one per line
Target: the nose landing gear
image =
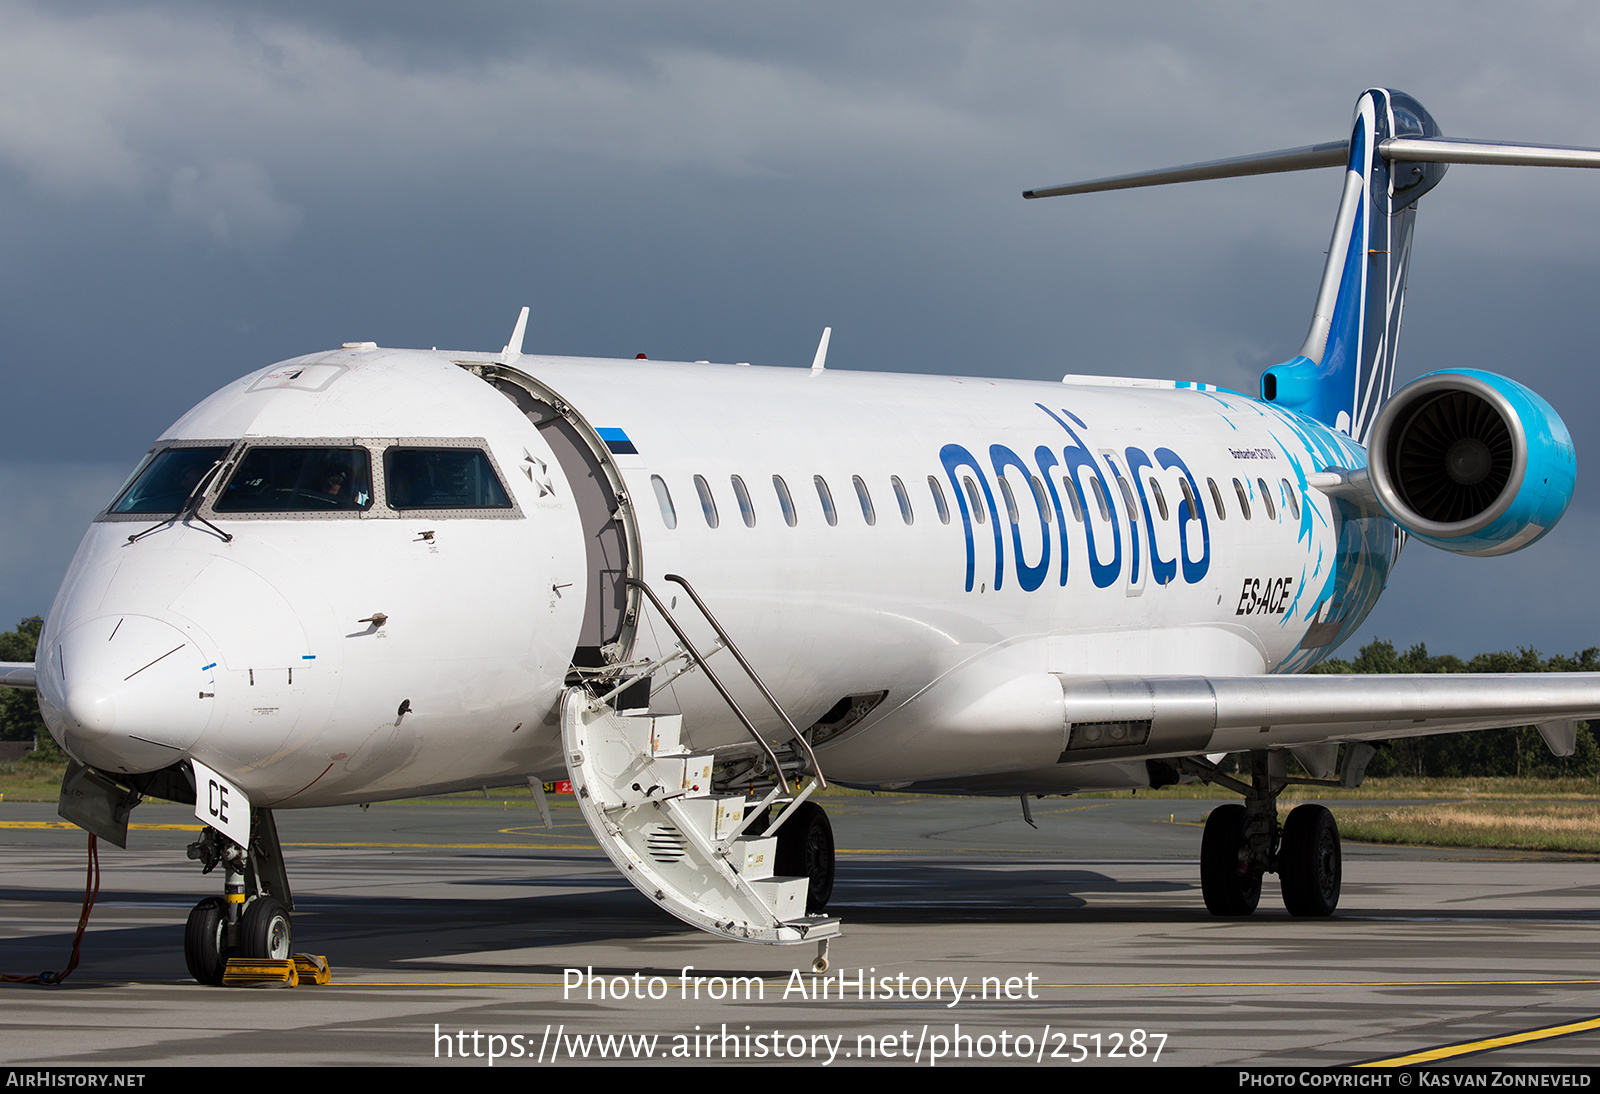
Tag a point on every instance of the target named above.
point(205, 948)
point(251, 919)
point(264, 929)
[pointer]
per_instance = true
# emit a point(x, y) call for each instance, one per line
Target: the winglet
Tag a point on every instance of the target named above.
point(513, 348)
point(819, 362)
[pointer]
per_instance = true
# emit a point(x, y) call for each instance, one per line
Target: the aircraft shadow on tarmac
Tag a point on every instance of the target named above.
point(402, 936)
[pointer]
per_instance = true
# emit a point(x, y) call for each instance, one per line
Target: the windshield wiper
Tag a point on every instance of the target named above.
point(190, 507)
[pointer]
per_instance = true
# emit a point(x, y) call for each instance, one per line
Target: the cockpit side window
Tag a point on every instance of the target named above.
point(295, 479)
point(167, 479)
point(442, 478)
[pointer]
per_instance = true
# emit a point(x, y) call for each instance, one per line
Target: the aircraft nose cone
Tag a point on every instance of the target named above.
point(127, 683)
point(91, 706)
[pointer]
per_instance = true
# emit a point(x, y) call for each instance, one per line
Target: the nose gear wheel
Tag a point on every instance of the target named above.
point(204, 950)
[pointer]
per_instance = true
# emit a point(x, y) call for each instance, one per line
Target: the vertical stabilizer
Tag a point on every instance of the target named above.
point(1345, 370)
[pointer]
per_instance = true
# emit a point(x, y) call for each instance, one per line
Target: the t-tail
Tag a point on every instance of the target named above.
point(1344, 373)
point(1345, 370)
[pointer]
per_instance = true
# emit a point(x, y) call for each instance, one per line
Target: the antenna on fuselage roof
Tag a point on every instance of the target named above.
point(513, 348)
point(820, 361)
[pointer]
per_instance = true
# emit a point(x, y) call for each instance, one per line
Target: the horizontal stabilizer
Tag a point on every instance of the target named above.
point(1442, 150)
point(1336, 154)
point(1330, 154)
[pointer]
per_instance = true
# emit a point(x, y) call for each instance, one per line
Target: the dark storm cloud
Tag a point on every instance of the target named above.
point(188, 191)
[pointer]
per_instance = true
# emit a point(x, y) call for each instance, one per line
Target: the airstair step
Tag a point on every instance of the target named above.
point(714, 817)
point(815, 928)
point(754, 858)
point(651, 806)
point(786, 896)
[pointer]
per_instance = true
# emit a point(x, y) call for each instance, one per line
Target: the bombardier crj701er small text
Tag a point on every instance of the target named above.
point(699, 591)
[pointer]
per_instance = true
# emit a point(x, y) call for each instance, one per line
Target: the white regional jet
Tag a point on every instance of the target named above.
point(695, 590)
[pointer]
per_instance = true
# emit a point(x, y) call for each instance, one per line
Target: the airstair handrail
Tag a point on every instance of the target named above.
point(716, 682)
point(816, 768)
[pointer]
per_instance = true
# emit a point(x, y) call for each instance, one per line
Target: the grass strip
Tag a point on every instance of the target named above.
point(1510, 825)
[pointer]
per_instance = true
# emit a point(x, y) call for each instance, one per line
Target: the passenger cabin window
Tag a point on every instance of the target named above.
point(1188, 496)
point(903, 498)
point(1244, 502)
point(1127, 496)
point(938, 500)
point(1161, 502)
point(1100, 498)
point(785, 502)
point(708, 504)
point(442, 478)
point(1216, 498)
point(1040, 498)
point(825, 496)
point(1072, 499)
point(167, 479)
point(1011, 500)
point(669, 515)
point(746, 509)
point(1266, 499)
point(978, 512)
point(868, 513)
point(299, 479)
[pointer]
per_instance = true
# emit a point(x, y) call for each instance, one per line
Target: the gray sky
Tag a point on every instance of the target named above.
point(190, 190)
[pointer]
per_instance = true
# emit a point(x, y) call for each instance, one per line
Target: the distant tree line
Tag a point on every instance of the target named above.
point(1518, 752)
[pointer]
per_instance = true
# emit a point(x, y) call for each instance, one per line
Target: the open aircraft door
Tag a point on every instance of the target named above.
point(610, 524)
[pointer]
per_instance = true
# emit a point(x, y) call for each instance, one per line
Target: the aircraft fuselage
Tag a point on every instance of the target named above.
point(935, 540)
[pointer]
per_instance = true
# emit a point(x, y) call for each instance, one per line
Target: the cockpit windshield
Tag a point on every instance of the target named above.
point(295, 479)
point(167, 480)
point(442, 478)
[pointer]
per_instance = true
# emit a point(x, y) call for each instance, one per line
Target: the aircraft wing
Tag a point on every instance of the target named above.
point(1195, 714)
point(18, 674)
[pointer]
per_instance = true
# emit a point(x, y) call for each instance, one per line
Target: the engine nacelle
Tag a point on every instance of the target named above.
point(1471, 462)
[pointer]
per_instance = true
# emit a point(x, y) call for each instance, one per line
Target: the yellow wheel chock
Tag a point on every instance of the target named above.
point(243, 972)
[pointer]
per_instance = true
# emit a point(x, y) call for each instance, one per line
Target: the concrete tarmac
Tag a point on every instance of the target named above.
point(452, 925)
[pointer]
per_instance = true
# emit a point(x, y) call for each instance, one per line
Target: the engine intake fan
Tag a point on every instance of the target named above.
point(1471, 462)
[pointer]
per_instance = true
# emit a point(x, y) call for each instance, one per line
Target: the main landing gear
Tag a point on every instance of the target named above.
point(1244, 842)
point(251, 918)
point(805, 849)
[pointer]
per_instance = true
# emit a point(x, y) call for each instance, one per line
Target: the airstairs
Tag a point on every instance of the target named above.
point(686, 828)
